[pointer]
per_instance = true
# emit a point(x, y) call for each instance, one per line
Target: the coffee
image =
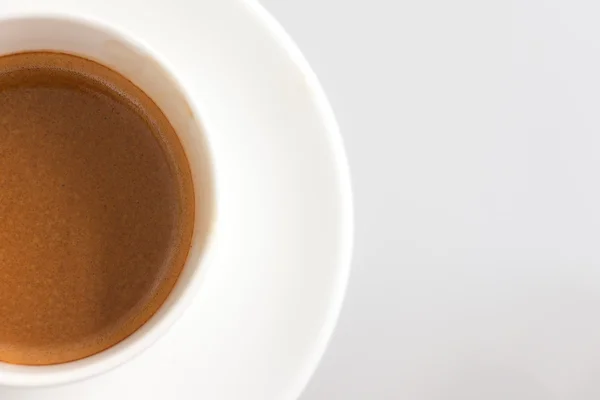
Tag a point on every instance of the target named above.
point(96, 208)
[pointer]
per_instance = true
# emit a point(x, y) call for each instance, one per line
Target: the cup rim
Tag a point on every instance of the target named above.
point(13, 375)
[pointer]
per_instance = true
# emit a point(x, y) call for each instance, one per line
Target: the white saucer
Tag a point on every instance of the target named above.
point(270, 300)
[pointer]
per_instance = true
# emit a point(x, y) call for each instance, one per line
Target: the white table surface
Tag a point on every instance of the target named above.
point(472, 133)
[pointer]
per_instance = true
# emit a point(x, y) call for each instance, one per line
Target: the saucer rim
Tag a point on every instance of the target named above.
point(338, 293)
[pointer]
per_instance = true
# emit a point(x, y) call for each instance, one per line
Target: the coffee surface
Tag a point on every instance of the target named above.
point(96, 208)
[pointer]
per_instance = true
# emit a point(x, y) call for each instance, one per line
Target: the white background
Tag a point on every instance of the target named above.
point(473, 133)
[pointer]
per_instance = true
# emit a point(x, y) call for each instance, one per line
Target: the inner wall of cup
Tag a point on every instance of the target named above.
point(114, 51)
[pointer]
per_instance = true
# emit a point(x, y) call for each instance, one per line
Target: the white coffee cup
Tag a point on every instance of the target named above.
point(149, 72)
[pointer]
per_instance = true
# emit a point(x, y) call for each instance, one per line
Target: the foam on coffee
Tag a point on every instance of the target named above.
point(96, 208)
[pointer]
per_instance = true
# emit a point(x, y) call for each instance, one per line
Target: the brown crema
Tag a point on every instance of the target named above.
point(96, 208)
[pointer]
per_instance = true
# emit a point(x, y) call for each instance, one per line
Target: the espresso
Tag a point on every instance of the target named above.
point(96, 208)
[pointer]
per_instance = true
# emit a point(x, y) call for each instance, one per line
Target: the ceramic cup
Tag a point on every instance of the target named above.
point(149, 72)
